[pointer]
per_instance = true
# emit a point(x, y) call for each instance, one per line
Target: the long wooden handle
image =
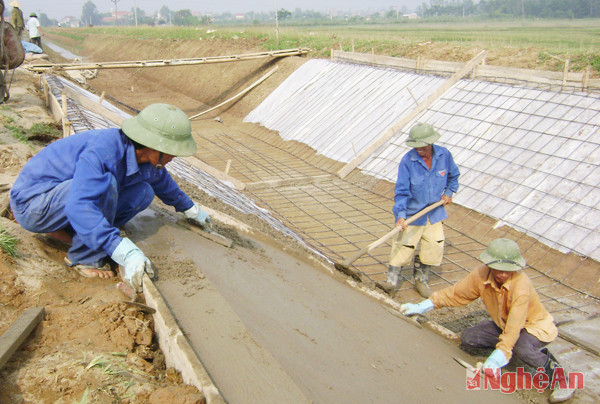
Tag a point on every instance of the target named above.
point(392, 233)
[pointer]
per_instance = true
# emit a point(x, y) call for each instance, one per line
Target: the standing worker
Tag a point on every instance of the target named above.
point(35, 30)
point(17, 18)
point(520, 324)
point(425, 174)
point(81, 188)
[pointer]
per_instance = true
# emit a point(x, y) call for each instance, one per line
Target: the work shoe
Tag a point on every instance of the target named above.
point(421, 275)
point(393, 281)
point(559, 394)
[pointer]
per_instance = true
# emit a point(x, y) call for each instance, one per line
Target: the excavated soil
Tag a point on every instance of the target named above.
point(91, 339)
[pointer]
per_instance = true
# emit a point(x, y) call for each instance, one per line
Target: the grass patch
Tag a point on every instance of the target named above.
point(18, 133)
point(39, 132)
point(8, 242)
point(45, 133)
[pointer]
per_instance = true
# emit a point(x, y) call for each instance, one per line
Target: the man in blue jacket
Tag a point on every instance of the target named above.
point(80, 189)
point(426, 174)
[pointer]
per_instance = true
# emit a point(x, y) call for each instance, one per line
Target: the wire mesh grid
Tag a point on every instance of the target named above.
point(254, 159)
point(80, 117)
point(526, 156)
point(337, 218)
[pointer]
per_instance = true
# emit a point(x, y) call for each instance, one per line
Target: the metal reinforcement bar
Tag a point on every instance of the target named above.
point(44, 67)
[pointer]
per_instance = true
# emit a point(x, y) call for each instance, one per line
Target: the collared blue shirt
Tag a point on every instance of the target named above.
point(418, 186)
point(91, 159)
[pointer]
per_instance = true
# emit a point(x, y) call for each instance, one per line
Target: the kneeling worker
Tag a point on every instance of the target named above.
point(80, 189)
point(520, 324)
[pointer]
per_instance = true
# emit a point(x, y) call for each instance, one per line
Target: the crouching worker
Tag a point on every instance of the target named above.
point(520, 324)
point(80, 189)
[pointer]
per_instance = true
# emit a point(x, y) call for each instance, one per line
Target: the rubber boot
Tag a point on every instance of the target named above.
point(394, 279)
point(559, 395)
point(421, 275)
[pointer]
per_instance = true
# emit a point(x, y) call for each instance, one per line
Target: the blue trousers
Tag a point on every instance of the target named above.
point(45, 213)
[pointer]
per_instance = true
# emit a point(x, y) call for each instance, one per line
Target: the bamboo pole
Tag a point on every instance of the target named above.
point(257, 82)
point(167, 62)
point(389, 133)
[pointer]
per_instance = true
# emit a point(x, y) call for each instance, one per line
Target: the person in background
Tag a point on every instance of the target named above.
point(35, 30)
point(81, 188)
point(520, 325)
point(426, 174)
point(17, 18)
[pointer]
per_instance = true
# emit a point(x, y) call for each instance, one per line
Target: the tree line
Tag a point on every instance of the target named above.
point(433, 9)
point(511, 8)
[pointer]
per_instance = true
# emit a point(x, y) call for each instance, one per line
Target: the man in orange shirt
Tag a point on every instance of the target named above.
point(520, 324)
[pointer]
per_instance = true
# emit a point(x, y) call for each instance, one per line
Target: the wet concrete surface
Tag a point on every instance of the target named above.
point(270, 326)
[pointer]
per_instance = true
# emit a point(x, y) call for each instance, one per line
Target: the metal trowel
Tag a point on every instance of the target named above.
point(211, 235)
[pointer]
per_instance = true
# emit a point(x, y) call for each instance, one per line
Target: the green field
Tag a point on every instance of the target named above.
point(578, 40)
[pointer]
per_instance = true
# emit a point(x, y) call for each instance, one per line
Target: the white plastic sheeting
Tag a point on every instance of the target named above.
point(337, 108)
point(529, 158)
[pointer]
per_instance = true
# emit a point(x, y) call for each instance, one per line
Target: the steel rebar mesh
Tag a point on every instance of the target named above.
point(338, 217)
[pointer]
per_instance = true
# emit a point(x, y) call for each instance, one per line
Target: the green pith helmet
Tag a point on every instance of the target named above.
point(421, 135)
point(162, 127)
point(504, 255)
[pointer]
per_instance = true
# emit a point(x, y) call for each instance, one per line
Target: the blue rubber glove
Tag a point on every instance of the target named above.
point(494, 362)
point(199, 217)
point(134, 263)
point(410, 309)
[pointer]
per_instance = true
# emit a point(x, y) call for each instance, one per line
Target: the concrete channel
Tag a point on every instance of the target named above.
point(271, 326)
point(265, 323)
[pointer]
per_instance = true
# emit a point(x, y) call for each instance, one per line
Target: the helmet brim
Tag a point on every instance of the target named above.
point(135, 131)
point(502, 265)
point(422, 142)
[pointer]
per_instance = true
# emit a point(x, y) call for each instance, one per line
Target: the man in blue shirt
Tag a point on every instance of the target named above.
point(426, 174)
point(81, 188)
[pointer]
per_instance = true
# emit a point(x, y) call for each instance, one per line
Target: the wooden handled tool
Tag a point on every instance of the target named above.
point(345, 266)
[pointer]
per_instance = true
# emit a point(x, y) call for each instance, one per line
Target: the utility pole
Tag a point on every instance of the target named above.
point(135, 12)
point(115, 3)
point(276, 24)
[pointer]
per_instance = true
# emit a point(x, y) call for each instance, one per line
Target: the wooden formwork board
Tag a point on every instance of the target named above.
point(18, 332)
point(178, 352)
point(575, 79)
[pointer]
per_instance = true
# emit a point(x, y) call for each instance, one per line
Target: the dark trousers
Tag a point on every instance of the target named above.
point(37, 41)
point(486, 335)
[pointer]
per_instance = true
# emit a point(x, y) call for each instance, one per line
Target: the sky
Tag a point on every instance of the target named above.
point(58, 9)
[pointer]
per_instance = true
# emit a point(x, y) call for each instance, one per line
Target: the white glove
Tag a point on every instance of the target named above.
point(199, 217)
point(134, 262)
point(494, 362)
point(410, 309)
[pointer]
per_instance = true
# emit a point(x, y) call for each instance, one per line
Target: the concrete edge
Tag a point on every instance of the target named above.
point(176, 348)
